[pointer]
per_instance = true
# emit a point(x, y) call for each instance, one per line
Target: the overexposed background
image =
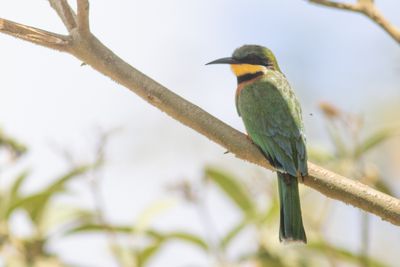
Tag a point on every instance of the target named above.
point(48, 101)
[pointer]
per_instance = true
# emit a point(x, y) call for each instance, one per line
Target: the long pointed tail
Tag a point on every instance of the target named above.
point(291, 225)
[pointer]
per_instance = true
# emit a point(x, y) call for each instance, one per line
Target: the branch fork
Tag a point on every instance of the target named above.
point(82, 44)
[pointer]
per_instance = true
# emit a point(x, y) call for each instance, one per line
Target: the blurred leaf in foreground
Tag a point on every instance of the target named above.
point(14, 147)
point(35, 204)
point(374, 140)
point(231, 187)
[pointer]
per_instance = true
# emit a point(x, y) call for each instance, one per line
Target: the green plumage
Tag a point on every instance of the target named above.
point(291, 224)
point(272, 117)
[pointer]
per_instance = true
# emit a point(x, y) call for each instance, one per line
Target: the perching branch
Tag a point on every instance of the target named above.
point(368, 8)
point(87, 48)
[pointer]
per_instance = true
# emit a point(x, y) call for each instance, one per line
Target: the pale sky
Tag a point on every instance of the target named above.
point(48, 100)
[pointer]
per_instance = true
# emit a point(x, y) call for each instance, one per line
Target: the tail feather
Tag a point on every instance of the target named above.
point(291, 223)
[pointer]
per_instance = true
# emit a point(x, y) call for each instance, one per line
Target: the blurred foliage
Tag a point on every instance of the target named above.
point(44, 218)
point(11, 146)
point(256, 201)
point(261, 220)
point(349, 157)
point(351, 147)
point(135, 245)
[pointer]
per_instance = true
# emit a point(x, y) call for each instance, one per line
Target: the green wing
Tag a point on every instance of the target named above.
point(272, 117)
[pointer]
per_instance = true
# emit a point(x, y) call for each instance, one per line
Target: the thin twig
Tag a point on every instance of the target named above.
point(209, 227)
point(90, 50)
point(368, 8)
point(65, 12)
point(111, 235)
point(94, 179)
point(346, 6)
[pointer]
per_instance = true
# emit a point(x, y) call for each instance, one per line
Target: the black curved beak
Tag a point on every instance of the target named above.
point(225, 60)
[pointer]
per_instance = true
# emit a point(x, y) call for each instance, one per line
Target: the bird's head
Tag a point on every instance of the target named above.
point(250, 60)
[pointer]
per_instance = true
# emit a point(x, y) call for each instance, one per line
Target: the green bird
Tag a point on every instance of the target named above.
point(272, 117)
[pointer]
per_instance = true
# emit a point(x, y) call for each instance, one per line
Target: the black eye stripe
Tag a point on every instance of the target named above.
point(255, 60)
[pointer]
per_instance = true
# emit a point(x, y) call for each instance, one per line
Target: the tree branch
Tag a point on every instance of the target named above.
point(34, 35)
point(368, 8)
point(346, 6)
point(89, 49)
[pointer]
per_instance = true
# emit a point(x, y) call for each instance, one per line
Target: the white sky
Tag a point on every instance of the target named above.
point(46, 98)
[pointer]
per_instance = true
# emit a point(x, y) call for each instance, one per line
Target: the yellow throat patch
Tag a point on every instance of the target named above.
point(243, 69)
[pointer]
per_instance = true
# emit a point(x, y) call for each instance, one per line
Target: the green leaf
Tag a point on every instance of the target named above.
point(188, 238)
point(59, 184)
point(12, 145)
point(90, 227)
point(230, 236)
point(36, 204)
point(147, 253)
point(129, 230)
point(232, 189)
point(374, 140)
point(94, 227)
point(60, 215)
point(11, 196)
point(343, 254)
point(33, 204)
point(15, 189)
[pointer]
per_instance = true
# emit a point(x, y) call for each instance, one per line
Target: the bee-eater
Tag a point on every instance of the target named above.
point(272, 117)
